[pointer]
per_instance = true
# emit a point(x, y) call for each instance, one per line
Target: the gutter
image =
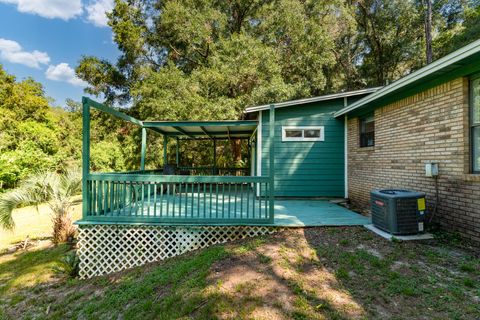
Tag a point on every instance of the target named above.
point(310, 100)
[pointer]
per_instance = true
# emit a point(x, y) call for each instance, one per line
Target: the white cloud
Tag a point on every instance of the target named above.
point(11, 51)
point(63, 9)
point(96, 12)
point(63, 72)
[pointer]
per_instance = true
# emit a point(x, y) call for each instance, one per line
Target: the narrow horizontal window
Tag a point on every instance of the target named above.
point(307, 133)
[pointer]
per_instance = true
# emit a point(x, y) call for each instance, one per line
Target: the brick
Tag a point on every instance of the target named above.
point(431, 126)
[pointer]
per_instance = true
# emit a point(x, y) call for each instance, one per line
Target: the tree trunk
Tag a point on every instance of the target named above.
point(63, 228)
point(428, 31)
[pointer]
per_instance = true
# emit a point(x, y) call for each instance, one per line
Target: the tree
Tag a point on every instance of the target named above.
point(428, 31)
point(460, 25)
point(390, 31)
point(55, 189)
point(33, 135)
point(231, 53)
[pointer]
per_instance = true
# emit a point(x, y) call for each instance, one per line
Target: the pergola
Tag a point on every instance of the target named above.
point(207, 199)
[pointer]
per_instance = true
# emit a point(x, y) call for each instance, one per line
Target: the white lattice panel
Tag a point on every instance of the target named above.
point(104, 249)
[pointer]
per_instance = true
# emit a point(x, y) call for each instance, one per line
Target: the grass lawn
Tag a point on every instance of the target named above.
point(313, 273)
point(29, 222)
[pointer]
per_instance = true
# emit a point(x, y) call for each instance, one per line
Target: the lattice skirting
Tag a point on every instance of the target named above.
point(105, 249)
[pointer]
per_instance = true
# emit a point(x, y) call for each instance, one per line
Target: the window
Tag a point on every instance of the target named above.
point(475, 122)
point(367, 131)
point(302, 133)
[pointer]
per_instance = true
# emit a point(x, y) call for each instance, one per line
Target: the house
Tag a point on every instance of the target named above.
point(429, 116)
point(136, 217)
point(336, 146)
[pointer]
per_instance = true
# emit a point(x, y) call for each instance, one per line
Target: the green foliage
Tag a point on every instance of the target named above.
point(390, 30)
point(217, 57)
point(106, 156)
point(33, 136)
point(463, 28)
point(68, 264)
point(36, 137)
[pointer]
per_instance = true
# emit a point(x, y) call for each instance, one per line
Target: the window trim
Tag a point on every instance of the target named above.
point(360, 120)
point(471, 124)
point(302, 138)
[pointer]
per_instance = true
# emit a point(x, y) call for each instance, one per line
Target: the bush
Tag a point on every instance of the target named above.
point(68, 265)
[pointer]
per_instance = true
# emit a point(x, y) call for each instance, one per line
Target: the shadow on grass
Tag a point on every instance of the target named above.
point(334, 273)
point(23, 270)
point(405, 280)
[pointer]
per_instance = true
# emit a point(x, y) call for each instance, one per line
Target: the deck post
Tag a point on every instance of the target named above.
point(271, 167)
point(177, 152)
point(144, 149)
point(85, 155)
point(165, 142)
point(214, 157)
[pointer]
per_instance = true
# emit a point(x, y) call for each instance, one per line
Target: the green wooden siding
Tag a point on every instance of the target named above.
point(307, 169)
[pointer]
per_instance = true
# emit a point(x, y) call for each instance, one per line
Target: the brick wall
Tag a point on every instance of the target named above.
point(431, 126)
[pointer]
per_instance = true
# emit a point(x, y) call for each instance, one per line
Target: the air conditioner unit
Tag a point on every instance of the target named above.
point(398, 212)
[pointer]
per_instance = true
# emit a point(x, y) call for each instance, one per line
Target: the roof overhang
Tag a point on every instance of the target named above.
point(310, 100)
point(241, 129)
point(459, 63)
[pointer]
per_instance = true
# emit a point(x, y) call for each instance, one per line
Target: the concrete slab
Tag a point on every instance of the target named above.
point(301, 213)
point(388, 236)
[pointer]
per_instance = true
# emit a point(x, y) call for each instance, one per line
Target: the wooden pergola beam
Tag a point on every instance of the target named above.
point(182, 131)
point(206, 132)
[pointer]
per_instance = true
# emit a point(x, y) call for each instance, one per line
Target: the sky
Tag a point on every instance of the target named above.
point(45, 39)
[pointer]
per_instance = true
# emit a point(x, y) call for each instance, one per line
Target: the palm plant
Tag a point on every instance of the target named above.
point(56, 189)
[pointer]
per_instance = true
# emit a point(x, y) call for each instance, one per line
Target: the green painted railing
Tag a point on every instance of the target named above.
point(153, 198)
point(213, 171)
point(150, 171)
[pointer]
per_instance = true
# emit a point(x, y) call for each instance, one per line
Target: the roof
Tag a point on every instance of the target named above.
point(223, 129)
point(209, 129)
point(459, 63)
point(310, 100)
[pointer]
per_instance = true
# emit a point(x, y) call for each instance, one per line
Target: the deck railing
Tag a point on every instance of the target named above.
point(149, 171)
point(213, 171)
point(153, 198)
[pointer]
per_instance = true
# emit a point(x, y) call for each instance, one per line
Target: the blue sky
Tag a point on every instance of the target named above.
point(45, 39)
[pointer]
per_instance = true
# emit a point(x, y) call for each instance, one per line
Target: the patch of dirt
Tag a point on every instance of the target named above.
point(285, 275)
point(28, 244)
point(297, 273)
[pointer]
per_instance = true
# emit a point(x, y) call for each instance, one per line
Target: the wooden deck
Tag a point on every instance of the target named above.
point(202, 209)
